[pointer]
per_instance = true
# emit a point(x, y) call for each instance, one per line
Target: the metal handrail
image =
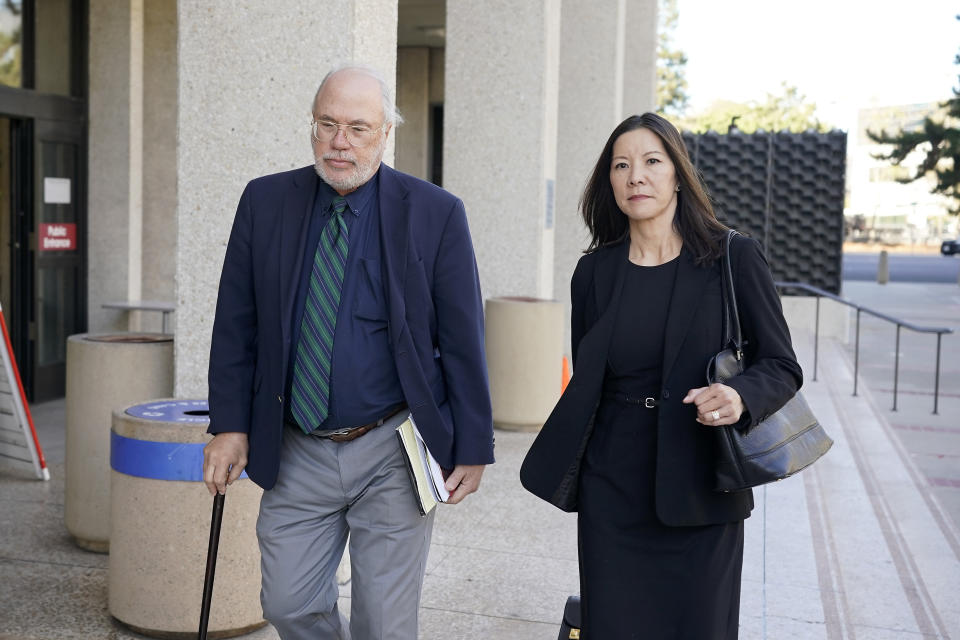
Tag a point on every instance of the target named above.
point(820, 293)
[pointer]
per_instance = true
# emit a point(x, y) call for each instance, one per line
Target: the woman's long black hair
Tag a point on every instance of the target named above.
point(694, 220)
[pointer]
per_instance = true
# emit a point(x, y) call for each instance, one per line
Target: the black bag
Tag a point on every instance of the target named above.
point(570, 627)
point(786, 442)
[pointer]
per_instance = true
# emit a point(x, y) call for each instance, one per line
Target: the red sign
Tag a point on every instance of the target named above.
point(60, 236)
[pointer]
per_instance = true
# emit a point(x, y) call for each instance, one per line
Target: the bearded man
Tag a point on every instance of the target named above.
point(349, 300)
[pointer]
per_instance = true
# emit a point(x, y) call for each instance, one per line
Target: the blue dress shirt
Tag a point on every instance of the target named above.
point(364, 385)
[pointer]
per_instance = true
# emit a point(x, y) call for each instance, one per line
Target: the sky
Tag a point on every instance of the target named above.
point(842, 54)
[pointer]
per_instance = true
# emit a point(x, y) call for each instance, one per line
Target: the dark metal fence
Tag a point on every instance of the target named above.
point(786, 190)
point(820, 293)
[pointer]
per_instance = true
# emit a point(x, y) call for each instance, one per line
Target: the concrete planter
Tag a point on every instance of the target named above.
point(524, 345)
point(104, 371)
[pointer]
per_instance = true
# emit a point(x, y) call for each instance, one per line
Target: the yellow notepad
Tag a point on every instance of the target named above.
point(425, 474)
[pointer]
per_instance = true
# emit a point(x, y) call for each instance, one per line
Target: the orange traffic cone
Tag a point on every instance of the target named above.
point(565, 376)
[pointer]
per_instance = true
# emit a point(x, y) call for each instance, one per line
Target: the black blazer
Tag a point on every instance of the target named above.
point(685, 448)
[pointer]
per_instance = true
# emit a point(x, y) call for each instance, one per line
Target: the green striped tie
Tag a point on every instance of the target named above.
point(310, 392)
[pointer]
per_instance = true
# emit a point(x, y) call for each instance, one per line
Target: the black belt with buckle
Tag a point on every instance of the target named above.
point(352, 433)
point(649, 402)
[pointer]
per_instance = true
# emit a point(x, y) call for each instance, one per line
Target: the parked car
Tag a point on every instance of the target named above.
point(950, 247)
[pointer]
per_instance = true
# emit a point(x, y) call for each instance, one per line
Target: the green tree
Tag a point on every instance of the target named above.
point(10, 49)
point(938, 139)
point(672, 95)
point(787, 111)
point(10, 58)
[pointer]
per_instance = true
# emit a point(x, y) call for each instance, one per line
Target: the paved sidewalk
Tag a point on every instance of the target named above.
point(858, 546)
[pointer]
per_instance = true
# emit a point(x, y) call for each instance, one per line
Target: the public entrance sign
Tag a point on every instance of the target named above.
point(60, 236)
point(18, 437)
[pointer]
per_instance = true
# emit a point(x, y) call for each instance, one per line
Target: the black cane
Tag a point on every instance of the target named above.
point(215, 521)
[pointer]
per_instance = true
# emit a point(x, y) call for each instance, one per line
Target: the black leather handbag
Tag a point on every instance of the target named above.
point(570, 627)
point(788, 441)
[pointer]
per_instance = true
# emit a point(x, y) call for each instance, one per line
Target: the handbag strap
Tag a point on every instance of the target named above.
point(732, 336)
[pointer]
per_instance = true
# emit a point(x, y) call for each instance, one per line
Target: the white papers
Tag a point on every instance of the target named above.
point(425, 473)
point(433, 468)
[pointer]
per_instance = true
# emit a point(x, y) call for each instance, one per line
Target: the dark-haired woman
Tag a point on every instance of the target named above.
point(630, 444)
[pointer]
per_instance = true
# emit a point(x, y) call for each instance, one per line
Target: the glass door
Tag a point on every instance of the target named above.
point(16, 219)
point(57, 252)
point(42, 184)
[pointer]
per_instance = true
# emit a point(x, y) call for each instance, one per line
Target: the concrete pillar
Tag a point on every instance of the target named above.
point(413, 94)
point(591, 105)
point(115, 147)
point(247, 74)
point(500, 134)
point(640, 57)
point(883, 268)
point(159, 158)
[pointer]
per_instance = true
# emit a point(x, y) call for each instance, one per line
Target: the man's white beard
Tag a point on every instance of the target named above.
point(360, 174)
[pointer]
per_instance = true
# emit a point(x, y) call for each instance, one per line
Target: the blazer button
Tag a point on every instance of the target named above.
point(280, 399)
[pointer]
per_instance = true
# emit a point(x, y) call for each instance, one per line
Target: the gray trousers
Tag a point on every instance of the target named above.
point(326, 490)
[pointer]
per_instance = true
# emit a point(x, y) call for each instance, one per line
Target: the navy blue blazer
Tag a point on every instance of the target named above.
point(435, 316)
point(685, 493)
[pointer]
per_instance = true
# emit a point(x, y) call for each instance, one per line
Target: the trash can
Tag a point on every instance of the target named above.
point(104, 371)
point(160, 527)
point(524, 345)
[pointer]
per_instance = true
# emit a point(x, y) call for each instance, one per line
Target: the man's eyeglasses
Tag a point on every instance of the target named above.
point(358, 135)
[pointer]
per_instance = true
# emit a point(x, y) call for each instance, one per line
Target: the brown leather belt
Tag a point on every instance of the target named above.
point(352, 433)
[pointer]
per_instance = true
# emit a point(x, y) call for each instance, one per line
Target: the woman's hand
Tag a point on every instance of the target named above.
point(717, 404)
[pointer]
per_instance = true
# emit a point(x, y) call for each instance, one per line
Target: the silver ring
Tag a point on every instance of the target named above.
point(715, 415)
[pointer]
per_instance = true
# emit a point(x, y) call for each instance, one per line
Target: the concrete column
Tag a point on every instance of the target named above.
point(247, 74)
point(116, 158)
point(159, 158)
point(500, 133)
point(592, 83)
point(640, 57)
point(413, 94)
point(372, 39)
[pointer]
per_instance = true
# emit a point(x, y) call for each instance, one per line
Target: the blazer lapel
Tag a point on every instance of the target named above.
point(294, 227)
point(688, 289)
point(394, 244)
point(608, 280)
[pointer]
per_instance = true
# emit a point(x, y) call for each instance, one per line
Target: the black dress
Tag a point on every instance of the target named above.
point(640, 578)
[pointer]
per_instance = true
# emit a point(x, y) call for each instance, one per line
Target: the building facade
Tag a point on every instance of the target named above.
point(133, 126)
point(881, 209)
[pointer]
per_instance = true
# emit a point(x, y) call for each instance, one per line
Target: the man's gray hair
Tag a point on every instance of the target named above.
point(390, 112)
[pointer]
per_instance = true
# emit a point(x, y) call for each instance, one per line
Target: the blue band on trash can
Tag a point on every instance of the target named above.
point(157, 460)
